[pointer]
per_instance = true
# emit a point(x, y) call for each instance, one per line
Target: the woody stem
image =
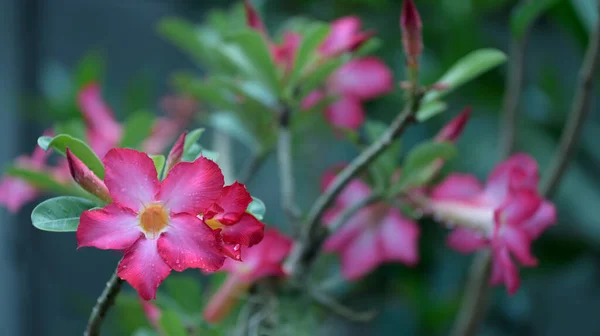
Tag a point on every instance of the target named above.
point(103, 304)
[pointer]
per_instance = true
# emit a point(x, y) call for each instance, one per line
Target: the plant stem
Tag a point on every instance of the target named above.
point(251, 168)
point(351, 211)
point(512, 96)
point(103, 304)
point(473, 308)
point(306, 248)
point(579, 110)
point(286, 169)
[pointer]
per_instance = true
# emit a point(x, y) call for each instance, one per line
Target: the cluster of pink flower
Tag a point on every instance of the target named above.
point(102, 132)
point(358, 80)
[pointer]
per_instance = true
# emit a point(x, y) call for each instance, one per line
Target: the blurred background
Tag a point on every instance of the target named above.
point(48, 287)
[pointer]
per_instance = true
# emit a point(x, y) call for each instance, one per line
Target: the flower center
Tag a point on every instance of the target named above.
point(213, 223)
point(153, 220)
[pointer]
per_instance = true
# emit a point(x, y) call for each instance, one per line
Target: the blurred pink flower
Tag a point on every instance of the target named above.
point(261, 260)
point(376, 234)
point(411, 25)
point(506, 215)
point(345, 36)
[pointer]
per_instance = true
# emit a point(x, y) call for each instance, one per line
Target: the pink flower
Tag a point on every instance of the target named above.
point(228, 217)
point(262, 260)
point(506, 215)
point(153, 314)
point(376, 234)
point(154, 222)
point(15, 192)
point(345, 36)
point(104, 131)
point(353, 83)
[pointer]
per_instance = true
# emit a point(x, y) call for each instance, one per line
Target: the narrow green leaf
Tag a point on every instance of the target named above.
point(255, 59)
point(370, 46)
point(231, 124)
point(466, 69)
point(130, 315)
point(60, 214)
point(61, 142)
point(257, 208)
point(90, 69)
point(184, 36)
point(44, 142)
point(316, 34)
point(387, 162)
point(191, 149)
point(159, 164)
point(587, 13)
point(172, 324)
point(430, 110)
point(137, 129)
point(526, 14)
point(204, 90)
point(43, 180)
point(73, 127)
point(186, 291)
point(316, 77)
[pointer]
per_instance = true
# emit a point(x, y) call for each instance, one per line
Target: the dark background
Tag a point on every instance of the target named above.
point(48, 287)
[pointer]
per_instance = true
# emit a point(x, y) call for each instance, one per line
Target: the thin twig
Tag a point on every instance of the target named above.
point(103, 304)
point(339, 309)
point(251, 168)
point(286, 174)
point(305, 249)
point(512, 96)
point(579, 111)
point(351, 211)
point(473, 308)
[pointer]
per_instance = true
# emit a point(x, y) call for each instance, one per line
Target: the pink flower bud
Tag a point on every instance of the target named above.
point(410, 23)
point(176, 152)
point(86, 178)
point(253, 20)
point(455, 127)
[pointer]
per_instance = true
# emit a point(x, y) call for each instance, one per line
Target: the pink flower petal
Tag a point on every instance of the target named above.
point(192, 187)
point(176, 152)
point(247, 231)
point(457, 187)
point(286, 53)
point(164, 132)
point(110, 228)
point(355, 191)
point(339, 240)
point(312, 99)
point(98, 115)
point(14, 193)
point(466, 241)
point(399, 238)
point(520, 245)
point(130, 177)
point(233, 251)
point(362, 78)
point(519, 171)
point(346, 112)
point(544, 217)
point(342, 35)
point(234, 201)
point(143, 268)
point(452, 130)
point(506, 269)
point(362, 256)
point(519, 207)
point(189, 243)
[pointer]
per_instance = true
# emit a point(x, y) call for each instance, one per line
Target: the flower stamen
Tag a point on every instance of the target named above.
point(154, 220)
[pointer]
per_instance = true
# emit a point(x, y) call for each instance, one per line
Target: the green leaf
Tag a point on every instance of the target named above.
point(191, 149)
point(137, 129)
point(172, 324)
point(211, 155)
point(257, 208)
point(368, 47)
point(466, 69)
point(130, 314)
point(73, 127)
point(144, 332)
point(255, 60)
point(231, 124)
point(186, 291)
point(43, 180)
point(60, 214)
point(526, 14)
point(204, 90)
point(184, 36)
point(430, 110)
point(90, 69)
point(587, 13)
point(61, 142)
point(44, 142)
point(316, 34)
point(419, 167)
point(316, 77)
point(159, 164)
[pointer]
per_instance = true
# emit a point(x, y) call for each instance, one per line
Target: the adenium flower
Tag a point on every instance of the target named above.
point(228, 217)
point(261, 260)
point(506, 215)
point(155, 222)
point(376, 234)
point(345, 36)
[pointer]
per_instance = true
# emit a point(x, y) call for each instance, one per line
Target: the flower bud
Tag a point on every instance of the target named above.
point(176, 153)
point(410, 23)
point(86, 178)
point(253, 20)
point(452, 130)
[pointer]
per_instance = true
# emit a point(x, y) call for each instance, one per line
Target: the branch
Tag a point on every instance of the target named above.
point(512, 96)
point(339, 309)
point(103, 304)
point(250, 168)
point(473, 308)
point(306, 248)
point(286, 171)
point(351, 211)
point(579, 111)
